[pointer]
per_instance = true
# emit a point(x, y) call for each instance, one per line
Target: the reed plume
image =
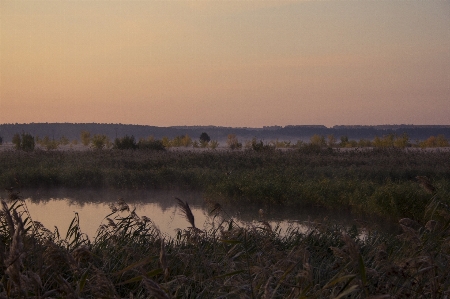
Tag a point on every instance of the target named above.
point(186, 212)
point(425, 183)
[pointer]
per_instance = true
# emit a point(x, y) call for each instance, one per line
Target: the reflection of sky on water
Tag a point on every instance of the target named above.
point(57, 207)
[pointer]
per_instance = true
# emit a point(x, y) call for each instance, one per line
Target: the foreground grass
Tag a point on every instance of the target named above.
point(380, 182)
point(129, 258)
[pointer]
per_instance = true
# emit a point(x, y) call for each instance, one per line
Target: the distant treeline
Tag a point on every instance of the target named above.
point(113, 131)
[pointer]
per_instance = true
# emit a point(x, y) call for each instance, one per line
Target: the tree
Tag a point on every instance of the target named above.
point(205, 137)
point(49, 144)
point(23, 142)
point(441, 141)
point(166, 141)
point(233, 142)
point(331, 140)
point(17, 141)
point(318, 140)
point(1, 140)
point(344, 141)
point(186, 141)
point(364, 143)
point(260, 146)
point(64, 140)
point(85, 138)
point(401, 141)
point(213, 144)
point(384, 142)
point(432, 141)
point(99, 141)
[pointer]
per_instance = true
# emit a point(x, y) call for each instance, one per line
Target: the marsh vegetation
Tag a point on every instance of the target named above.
point(130, 258)
point(380, 181)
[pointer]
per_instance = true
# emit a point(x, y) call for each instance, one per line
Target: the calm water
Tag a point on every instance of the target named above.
point(57, 207)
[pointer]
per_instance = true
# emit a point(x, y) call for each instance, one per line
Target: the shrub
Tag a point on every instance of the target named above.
point(47, 143)
point(64, 140)
point(124, 143)
point(85, 138)
point(150, 144)
point(432, 141)
point(318, 140)
point(233, 142)
point(260, 146)
point(213, 144)
point(99, 141)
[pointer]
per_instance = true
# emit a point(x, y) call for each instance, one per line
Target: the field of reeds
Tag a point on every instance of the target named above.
point(129, 258)
point(378, 182)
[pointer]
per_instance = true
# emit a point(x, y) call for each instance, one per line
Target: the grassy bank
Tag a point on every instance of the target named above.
point(381, 182)
point(128, 258)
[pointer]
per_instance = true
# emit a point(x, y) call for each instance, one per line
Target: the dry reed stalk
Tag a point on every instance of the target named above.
point(267, 226)
point(268, 290)
point(431, 225)
point(56, 259)
point(13, 262)
point(409, 234)
point(154, 289)
point(261, 214)
point(123, 205)
point(146, 219)
point(113, 208)
point(8, 218)
point(101, 286)
point(351, 247)
point(163, 260)
point(426, 184)
point(82, 253)
point(111, 223)
point(409, 222)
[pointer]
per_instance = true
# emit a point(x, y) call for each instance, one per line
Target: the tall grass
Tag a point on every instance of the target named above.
point(130, 258)
point(379, 181)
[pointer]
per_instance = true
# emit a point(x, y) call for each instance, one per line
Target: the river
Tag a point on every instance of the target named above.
point(57, 207)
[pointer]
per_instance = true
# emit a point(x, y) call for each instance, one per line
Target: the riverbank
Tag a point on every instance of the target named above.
point(377, 182)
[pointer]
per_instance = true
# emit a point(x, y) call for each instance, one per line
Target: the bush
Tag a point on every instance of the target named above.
point(233, 142)
point(99, 141)
point(155, 145)
point(124, 143)
point(213, 144)
point(85, 138)
point(260, 146)
point(48, 143)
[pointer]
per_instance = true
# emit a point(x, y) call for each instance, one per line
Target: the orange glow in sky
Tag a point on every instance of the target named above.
point(225, 63)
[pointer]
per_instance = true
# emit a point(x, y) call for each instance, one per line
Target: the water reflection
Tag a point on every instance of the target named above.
point(57, 207)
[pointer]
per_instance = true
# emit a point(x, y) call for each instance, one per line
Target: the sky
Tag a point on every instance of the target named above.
point(225, 63)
